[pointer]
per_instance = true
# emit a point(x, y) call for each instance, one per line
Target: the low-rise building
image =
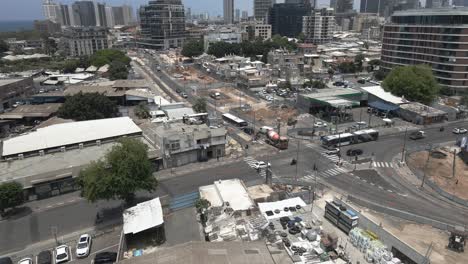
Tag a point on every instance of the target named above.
point(421, 114)
point(183, 144)
point(31, 114)
point(48, 161)
point(225, 34)
point(258, 30)
point(84, 41)
point(12, 89)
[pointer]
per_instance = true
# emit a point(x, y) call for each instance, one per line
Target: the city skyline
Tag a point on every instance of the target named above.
point(15, 11)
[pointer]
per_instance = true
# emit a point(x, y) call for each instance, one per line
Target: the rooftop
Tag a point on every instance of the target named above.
point(9, 81)
point(422, 109)
point(22, 111)
point(433, 12)
point(143, 216)
point(69, 134)
point(332, 92)
point(379, 92)
point(208, 253)
point(228, 191)
point(130, 84)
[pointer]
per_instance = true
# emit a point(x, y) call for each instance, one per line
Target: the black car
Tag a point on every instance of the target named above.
point(178, 90)
point(6, 260)
point(105, 257)
point(45, 257)
point(354, 152)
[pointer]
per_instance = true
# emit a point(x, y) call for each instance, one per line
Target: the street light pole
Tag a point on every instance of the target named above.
point(404, 146)
point(297, 156)
point(429, 148)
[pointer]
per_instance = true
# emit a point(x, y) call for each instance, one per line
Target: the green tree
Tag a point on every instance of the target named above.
point(347, 67)
point(124, 170)
point(366, 45)
point(301, 37)
point(11, 195)
point(358, 61)
point(107, 56)
point(200, 105)
point(88, 106)
point(142, 111)
point(415, 83)
point(3, 46)
point(118, 70)
point(373, 64)
point(201, 204)
point(380, 75)
point(193, 48)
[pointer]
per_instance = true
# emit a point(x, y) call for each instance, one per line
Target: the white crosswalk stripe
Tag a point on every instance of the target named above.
point(326, 174)
point(382, 164)
point(250, 161)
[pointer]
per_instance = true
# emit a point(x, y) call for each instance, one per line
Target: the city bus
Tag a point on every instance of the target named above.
point(234, 120)
point(344, 139)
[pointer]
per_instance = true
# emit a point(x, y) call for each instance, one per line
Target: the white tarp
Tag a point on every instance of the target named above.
point(280, 205)
point(143, 216)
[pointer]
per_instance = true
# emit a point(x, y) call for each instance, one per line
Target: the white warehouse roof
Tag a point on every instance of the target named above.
point(143, 216)
point(379, 92)
point(59, 135)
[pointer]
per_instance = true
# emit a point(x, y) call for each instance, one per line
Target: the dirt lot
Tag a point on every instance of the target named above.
point(230, 97)
point(440, 170)
point(420, 237)
point(269, 115)
point(192, 74)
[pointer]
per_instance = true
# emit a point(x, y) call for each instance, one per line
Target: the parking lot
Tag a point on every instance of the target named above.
point(108, 241)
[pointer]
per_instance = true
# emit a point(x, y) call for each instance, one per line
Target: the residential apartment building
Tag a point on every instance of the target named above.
point(437, 37)
point(437, 3)
point(342, 6)
point(84, 13)
point(79, 41)
point(319, 26)
point(224, 34)
point(228, 11)
point(286, 18)
point(51, 10)
point(162, 25)
point(258, 30)
point(261, 8)
point(460, 2)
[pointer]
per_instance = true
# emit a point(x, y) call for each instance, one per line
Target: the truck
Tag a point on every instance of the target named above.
point(274, 139)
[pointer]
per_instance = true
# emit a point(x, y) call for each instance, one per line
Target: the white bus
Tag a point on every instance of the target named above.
point(344, 139)
point(234, 120)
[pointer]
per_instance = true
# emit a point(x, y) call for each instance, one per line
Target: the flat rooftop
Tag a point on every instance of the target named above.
point(22, 111)
point(332, 93)
point(69, 134)
point(56, 165)
point(9, 81)
point(207, 253)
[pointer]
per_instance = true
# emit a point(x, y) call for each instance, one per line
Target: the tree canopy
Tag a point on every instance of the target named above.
point(3, 46)
point(415, 83)
point(193, 48)
point(124, 170)
point(142, 111)
point(200, 105)
point(251, 48)
point(118, 70)
point(106, 56)
point(11, 195)
point(88, 106)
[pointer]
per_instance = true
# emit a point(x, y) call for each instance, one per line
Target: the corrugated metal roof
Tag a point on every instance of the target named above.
point(69, 134)
point(143, 216)
point(379, 92)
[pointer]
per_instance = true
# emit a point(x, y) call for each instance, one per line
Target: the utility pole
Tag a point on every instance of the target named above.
point(429, 147)
point(315, 187)
point(370, 117)
point(404, 146)
point(453, 163)
point(253, 134)
point(360, 115)
point(297, 157)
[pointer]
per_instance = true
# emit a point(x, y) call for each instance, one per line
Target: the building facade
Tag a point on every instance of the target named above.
point(460, 2)
point(228, 11)
point(261, 8)
point(51, 10)
point(258, 30)
point(342, 6)
point(47, 27)
point(162, 25)
point(14, 89)
point(80, 41)
point(437, 37)
point(286, 18)
point(84, 13)
point(437, 3)
point(371, 6)
point(318, 28)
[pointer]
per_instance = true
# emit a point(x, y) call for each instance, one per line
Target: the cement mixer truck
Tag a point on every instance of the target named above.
point(276, 140)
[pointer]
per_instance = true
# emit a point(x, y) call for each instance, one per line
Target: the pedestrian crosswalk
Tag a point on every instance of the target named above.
point(382, 164)
point(250, 161)
point(326, 174)
point(323, 152)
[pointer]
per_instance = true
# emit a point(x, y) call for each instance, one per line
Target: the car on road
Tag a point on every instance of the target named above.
point(184, 95)
point(45, 257)
point(105, 257)
point(332, 151)
point(320, 124)
point(260, 165)
point(6, 260)
point(84, 246)
point(459, 130)
point(417, 135)
point(26, 261)
point(178, 90)
point(354, 152)
point(62, 254)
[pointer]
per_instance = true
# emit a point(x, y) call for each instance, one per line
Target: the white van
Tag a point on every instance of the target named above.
point(265, 129)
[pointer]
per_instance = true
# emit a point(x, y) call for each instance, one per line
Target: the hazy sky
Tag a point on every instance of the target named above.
point(31, 9)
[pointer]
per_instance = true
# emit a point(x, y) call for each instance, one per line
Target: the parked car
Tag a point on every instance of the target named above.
point(84, 246)
point(260, 165)
point(62, 254)
point(26, 261)
point(178, 90)
point(45, 257)
point(459, 130)
point(184, 95)
point(354, 152)
point(361, 81)
point(105, 257)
